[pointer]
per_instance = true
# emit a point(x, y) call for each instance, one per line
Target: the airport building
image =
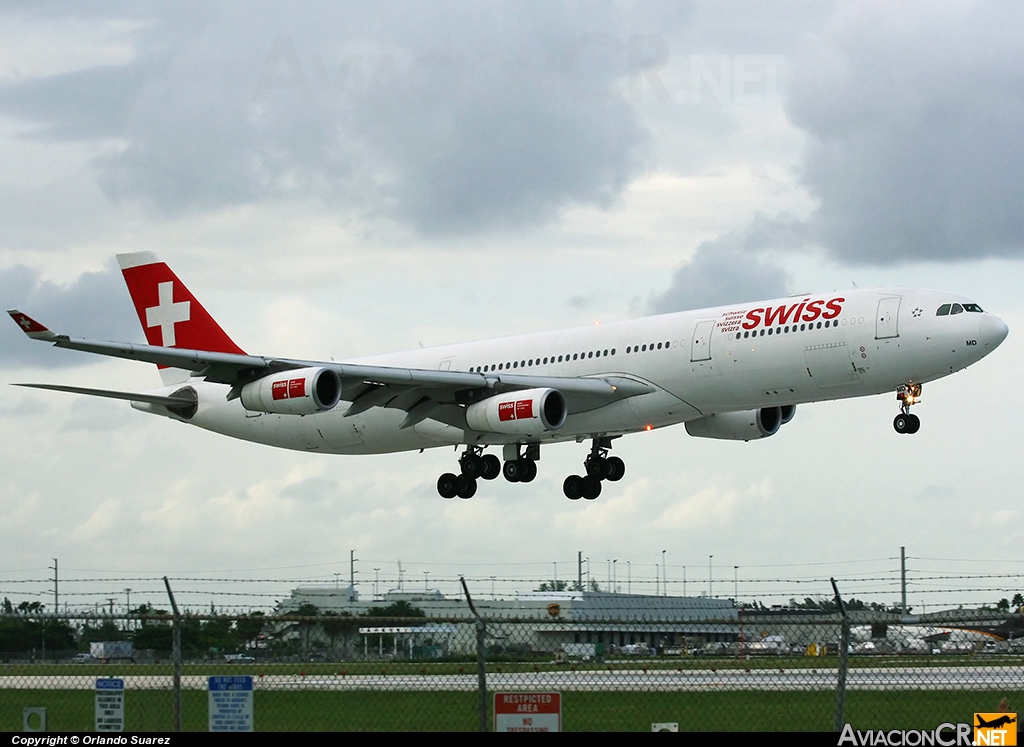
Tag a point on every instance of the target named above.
point(538, 622)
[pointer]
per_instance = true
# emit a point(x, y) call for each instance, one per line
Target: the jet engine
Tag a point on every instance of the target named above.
point(742, 426)
point(525, 413)
point(303, 391)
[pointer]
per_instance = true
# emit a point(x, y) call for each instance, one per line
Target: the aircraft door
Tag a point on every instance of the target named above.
point(887, 318)
point(700, 347)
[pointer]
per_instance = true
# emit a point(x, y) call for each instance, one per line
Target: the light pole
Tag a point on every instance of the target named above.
point(709, 576)
point(376, 583)
point(735, 584)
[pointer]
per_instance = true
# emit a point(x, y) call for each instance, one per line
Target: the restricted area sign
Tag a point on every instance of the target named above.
point(230, 703)
point(527, 711)
point(109, 704)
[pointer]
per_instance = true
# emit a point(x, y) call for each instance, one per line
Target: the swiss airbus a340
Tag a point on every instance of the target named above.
point(731, 372)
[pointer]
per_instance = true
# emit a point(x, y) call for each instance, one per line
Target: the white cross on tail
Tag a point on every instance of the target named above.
point(167, 313)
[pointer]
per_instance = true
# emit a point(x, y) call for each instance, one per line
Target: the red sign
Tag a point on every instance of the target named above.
point(521, 409)
point(289, 389)
point(527, 711)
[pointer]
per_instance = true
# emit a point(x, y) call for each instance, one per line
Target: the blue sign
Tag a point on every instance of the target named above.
point(230, 703)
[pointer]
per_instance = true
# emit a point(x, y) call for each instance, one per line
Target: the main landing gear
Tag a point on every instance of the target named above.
point(908, 394)
point(598, 466)
point(472, 464)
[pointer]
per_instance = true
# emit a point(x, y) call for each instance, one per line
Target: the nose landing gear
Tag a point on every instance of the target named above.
point(598, 466)
point(907, 394)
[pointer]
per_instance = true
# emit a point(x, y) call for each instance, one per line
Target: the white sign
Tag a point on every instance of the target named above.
point(230, 703)
point(109, 704)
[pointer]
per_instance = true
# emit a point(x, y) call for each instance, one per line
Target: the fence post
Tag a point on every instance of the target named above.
point(175, 655)
point(481, 663)
point(844, 647)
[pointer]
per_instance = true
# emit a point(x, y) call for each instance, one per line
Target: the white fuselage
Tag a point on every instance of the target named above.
point(698, 362)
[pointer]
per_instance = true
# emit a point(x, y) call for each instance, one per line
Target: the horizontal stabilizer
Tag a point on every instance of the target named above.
point(152, 399)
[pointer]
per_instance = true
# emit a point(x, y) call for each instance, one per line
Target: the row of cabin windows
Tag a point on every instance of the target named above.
point(787, 329)
point(948, 309)
point(566, 358)
point(542, 361)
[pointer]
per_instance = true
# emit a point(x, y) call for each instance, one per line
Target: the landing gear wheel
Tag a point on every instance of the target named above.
point(901, 423)
point(491, 466)
point(448, 485)
point(466, 486)
point(471, 465)
point(513, 470)
point(615, 469)
point(529, 470)
point(591, 487)
point(914, 425)
point(596, 467)
point(573, 487)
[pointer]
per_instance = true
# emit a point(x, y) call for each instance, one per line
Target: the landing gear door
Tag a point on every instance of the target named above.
point(700, 348)
point(887, 318)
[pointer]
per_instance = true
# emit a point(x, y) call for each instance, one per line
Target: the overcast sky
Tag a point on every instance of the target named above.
point(341, 179)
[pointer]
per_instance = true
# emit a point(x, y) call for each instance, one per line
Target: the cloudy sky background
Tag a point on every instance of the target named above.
point(343, 179)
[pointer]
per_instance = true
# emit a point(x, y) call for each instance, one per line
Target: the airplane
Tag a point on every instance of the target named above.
point(731, 372)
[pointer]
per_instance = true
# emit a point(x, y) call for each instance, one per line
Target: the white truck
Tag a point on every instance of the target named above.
point(111, 650)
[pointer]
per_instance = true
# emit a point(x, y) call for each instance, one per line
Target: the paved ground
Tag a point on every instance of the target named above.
point(918, 678)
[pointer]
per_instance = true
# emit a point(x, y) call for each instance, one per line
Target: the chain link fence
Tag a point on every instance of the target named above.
point(758, 671)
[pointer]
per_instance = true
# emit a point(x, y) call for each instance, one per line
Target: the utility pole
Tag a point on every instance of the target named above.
point(351, 575)
point(903, 577)
point(709, 576)
point(579, 571)
point(664, 575)
point(55, 608)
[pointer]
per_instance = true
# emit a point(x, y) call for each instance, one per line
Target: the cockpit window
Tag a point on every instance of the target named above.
point(943, 310)
point(973, 307)
point(957, 309)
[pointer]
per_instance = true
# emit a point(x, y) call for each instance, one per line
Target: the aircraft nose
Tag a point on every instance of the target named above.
point(993, 331)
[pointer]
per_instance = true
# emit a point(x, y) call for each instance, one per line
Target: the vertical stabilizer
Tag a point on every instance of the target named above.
point(170, 315)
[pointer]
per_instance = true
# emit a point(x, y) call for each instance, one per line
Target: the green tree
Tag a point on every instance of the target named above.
point(401, 608)
point(338, 624)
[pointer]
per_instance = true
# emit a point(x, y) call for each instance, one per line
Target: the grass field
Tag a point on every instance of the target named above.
point(730, 710)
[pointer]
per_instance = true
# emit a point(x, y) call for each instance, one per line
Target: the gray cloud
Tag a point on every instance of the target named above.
point(719, 274)
point(452, 118)
point(95, 305)
point(915, 112)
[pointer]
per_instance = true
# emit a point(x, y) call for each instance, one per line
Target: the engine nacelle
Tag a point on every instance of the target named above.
point(742, 426)
point(527, 413)
point(303, 391)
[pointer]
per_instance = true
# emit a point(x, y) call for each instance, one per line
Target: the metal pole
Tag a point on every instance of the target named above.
point(481, 664)
point(844, 646)
point(664, 575)
point(709, 575)
point(903, 577)
point(175, 655)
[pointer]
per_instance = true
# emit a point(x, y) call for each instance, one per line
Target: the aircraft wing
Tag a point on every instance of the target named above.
point(364, 386)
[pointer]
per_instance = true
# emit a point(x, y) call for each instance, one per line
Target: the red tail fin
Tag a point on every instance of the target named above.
point(170, 315)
